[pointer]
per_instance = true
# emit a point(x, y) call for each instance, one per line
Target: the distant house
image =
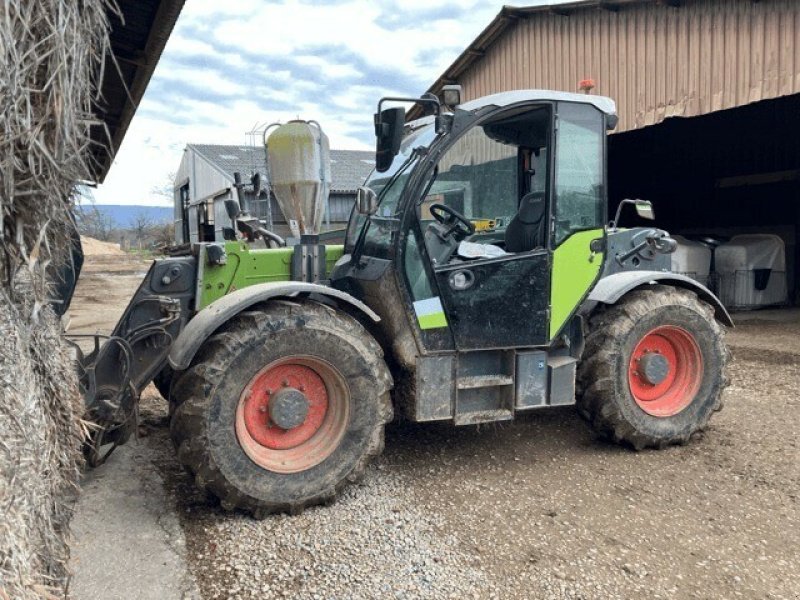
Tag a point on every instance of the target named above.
point(205, 179)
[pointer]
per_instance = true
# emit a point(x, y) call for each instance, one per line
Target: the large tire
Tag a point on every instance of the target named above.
point(614, 393)
point(307, 346)
point(163, 381)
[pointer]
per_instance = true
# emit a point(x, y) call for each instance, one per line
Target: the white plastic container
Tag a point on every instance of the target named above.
point(692, 259)
point(751, 271)
point(299, 165)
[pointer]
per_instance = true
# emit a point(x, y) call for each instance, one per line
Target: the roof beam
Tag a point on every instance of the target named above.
point(609, 5)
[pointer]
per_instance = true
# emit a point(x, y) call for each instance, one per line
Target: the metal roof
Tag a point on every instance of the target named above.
point(349, 168)
point(138, 36)
point(502, 99)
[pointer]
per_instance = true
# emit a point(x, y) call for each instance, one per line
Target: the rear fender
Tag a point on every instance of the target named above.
point(212, 317)
point(613, 287)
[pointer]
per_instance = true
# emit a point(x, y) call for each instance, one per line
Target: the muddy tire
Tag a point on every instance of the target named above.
point(163, 382)
point(251, 376)
point(653, 370)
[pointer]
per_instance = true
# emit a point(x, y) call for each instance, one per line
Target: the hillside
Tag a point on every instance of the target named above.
point(125, 215)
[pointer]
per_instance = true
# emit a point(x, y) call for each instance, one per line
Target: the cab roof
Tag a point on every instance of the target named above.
point(601, 103)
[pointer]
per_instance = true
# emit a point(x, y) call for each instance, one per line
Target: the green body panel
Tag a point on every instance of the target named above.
point(575, 269)
point(246, 266)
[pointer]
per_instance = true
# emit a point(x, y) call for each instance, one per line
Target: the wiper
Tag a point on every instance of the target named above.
point(359, 246)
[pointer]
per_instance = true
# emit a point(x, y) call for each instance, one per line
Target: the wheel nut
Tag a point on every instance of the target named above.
point(285, 383)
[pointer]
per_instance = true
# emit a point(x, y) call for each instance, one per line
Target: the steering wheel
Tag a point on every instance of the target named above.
point(460, 226)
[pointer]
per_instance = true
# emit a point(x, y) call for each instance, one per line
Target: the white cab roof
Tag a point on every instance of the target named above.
point(602, 103)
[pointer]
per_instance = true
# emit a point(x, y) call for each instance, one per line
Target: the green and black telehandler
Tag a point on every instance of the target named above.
point(480, 278)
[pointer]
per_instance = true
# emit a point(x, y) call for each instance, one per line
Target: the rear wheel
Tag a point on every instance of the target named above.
point(653, 370)
point(282, 408)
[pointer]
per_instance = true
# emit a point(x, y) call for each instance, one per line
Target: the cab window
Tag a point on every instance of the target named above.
point(579, 179)
point(389, 187)
point(483, 177)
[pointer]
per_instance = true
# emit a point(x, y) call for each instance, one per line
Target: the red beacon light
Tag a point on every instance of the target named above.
point(586, 85)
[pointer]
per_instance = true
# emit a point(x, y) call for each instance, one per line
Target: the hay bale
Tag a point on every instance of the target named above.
point(41, 438)
point(51, 58)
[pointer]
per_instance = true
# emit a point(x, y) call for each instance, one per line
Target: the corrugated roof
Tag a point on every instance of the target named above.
point(349, 168)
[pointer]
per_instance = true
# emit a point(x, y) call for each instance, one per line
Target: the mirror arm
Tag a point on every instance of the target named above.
point(613, 224)
point(432, 101)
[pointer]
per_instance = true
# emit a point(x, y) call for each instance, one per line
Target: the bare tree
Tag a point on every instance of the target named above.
point(165, 189)
point(142, 227)
point(164, 234)
point(94, 223)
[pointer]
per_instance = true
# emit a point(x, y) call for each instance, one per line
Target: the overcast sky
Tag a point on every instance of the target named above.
point(232, 64)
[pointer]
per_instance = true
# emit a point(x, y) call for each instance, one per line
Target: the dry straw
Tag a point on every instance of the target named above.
point(52, 54)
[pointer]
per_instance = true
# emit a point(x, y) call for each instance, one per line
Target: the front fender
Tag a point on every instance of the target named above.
point(613, 287)
point(212, 317)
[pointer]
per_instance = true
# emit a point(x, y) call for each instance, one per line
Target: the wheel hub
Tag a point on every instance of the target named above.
point(288, 408)
point(292, 414)
point(653, 367)
point(665, 371)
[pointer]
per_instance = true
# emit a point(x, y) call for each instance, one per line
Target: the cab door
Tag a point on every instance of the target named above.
point(500, 300)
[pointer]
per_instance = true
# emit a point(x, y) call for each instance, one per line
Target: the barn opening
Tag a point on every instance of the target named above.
point(718, 175)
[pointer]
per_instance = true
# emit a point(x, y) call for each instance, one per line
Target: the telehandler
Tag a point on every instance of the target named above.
point(480, 278)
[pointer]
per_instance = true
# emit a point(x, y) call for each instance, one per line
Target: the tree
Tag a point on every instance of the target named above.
point(142, 227)
point(94, 223)
point(164, 234)
point(165, 189)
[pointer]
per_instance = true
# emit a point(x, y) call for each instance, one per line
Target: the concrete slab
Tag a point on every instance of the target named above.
point(127, 540)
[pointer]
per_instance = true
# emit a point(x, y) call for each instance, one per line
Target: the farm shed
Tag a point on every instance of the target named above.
point(205, 179)
point(708, 96)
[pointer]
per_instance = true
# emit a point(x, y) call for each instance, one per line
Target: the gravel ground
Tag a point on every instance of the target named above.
point(537, 508)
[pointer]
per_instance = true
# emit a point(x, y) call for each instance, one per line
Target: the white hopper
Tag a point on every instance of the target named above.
point(692, 259)
point(752, 271)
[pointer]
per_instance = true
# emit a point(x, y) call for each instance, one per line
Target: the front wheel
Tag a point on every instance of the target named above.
point(282, 407)
point(653, 370)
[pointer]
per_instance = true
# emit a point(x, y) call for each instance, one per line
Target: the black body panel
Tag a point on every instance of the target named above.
point(505, 305)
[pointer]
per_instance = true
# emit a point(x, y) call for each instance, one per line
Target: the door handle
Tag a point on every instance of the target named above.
point(461, 280)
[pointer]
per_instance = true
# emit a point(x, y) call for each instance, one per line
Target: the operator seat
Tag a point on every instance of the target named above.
point(526, 230)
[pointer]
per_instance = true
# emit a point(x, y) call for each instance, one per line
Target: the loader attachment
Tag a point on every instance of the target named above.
point(119, 366)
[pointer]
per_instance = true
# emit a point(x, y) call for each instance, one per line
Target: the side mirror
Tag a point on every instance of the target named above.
point(644, 208)
point(232, 208)
point(388, 133)
point(366, 201)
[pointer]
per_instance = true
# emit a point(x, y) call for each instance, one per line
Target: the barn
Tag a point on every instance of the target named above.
point(205, 179)
point(708, 96)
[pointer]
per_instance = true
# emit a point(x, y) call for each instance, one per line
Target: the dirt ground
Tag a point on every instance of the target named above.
point(538, 508)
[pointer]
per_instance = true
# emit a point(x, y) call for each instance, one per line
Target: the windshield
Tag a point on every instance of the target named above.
point(389, 187)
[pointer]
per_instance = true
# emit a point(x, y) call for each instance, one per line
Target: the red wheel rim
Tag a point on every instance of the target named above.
point(665, 371)
point(318, 426)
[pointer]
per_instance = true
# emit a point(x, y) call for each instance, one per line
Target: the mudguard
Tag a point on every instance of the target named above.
point(212, 317)
point(613, 287)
